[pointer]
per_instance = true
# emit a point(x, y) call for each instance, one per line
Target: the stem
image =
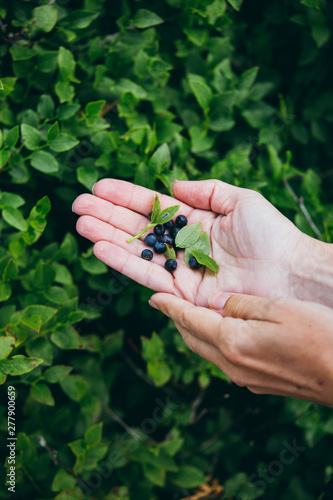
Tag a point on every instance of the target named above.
point(141, 234)
point(304, 210)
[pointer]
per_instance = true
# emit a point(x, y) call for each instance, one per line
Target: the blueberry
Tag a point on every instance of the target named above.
point(149, 215)
point(170, 224)
point(160, 247)
point(173, 231)
point(193, 263)
point(159, 229)
point(170, 265)
point(181, 221)
point(167, 239)
point(151, 239)
point(147, 254)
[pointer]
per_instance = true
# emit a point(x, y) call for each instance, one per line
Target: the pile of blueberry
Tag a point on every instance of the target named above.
point(159, 240)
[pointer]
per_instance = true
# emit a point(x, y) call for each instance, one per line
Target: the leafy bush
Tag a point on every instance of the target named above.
point(110, 403)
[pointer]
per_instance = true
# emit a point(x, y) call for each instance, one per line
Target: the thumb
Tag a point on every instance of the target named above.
point(246, 306)
point(211, 194)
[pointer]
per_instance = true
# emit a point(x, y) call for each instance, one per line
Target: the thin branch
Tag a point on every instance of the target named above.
point(117, 419)
point(54, 457)
point(194, 406)
point(304, 210)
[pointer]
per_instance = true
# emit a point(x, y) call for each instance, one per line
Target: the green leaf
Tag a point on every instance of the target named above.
point(206, 261)
point(202, 245)
point(56, 294)
point(63, 143)
point(46, 313)
point(87, 176)
point(170, 252)
point(188, 235)
point(57, 373)
point(53, 132)
point(11, 271)
point(153, 348)
point(8, 85)
point(275, 162)
point(312, 3)
point(67, 65)
point(34, 321)
point(41, 348)
point(62, 481)
point(144, 18)
point(80, 19)
point(44, 162)
point(126, 85)
point(74, 386)
point(14, 218)
point(156, 209)
point(41, 393)
point(167, 214)
point(236, 4)
point(67, 338)
point(201, 90)
point(45, 107)
point(6, 346)
point(94, 108)
point(43, 206)
point(64, 91)
point(161, 160)
point(159, 372)
point(4, 157)
point(12, 137)
point(11, 200)
point(31, 136)
point(18, 365)
point(93, 435)
point(200, 141)
point(45, 18)
point(155, 474)
point(188, 477)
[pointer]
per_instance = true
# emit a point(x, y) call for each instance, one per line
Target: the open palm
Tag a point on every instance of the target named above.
point(252, 242)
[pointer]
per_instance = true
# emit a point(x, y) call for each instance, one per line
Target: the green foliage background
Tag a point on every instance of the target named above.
point(110, 403)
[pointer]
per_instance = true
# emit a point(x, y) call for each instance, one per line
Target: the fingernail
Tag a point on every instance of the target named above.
point(92, 189)
point(218, 300)
point(152, 304)
point(73, 206)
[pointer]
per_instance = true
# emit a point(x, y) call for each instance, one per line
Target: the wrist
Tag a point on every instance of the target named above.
point(311, 276)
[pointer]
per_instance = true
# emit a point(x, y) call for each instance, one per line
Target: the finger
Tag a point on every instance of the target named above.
point(133, 197)
point(203, 323)
point(119, 217)
point(211, 194)
point(247, 307)
point(146, 273)
point(200, 347)
point(96, 230)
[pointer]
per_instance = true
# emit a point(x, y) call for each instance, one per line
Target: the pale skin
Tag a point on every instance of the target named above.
point(259, 252)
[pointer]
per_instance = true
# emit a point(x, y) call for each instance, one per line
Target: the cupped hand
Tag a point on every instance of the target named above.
point(253, 243)
point(272, 346)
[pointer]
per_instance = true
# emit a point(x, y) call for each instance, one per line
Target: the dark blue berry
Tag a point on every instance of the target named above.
point(181, 221)
point(149, 215)
point(160, 247)
point(169, 224)
point(159, 229)
point(167, 239)
point(193, 263)
point(170, 265)
point(147, 254)
point(151, 239)
point(173, 231)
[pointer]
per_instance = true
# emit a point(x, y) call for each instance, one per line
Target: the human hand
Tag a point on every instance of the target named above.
point(254, 244)
point(272, 346)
